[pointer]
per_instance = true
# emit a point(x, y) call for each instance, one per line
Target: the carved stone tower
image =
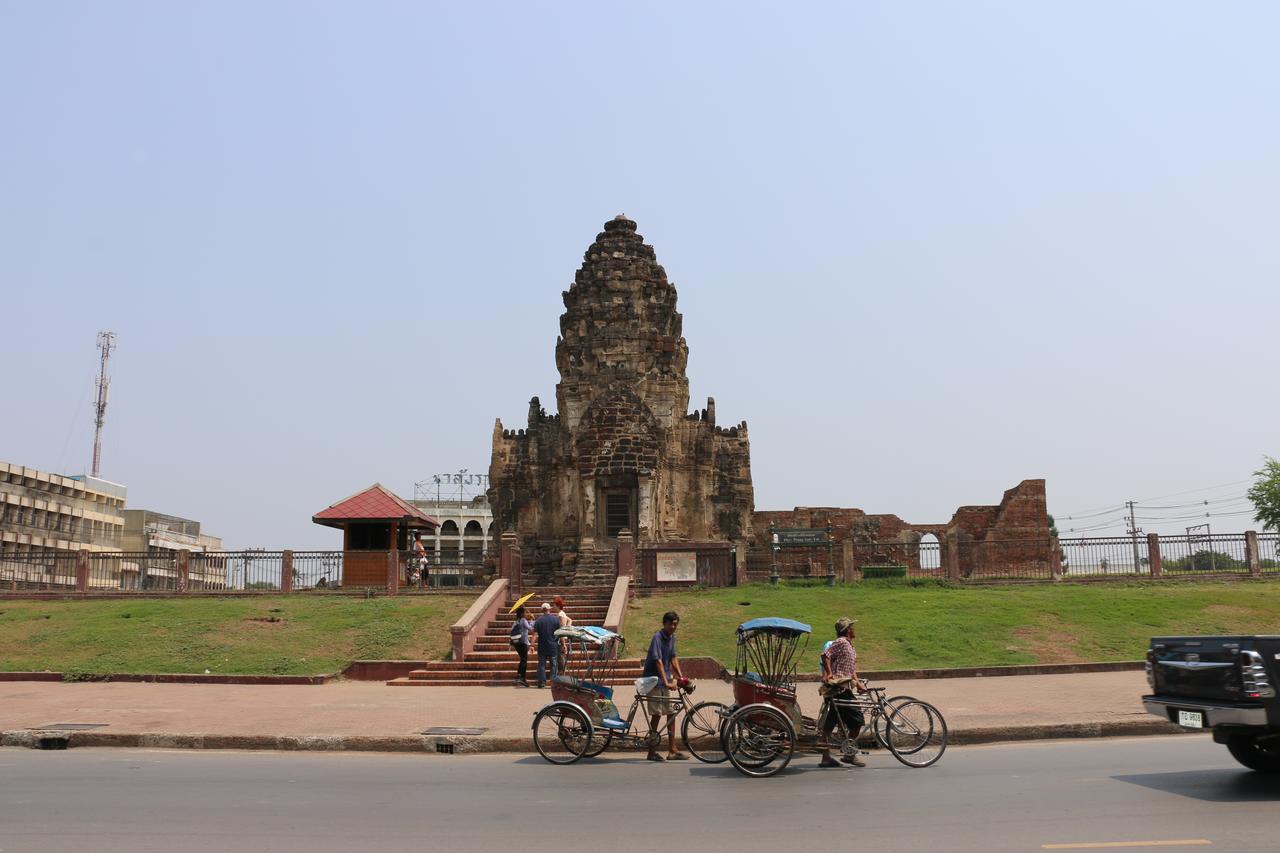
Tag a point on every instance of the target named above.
point(623, 451)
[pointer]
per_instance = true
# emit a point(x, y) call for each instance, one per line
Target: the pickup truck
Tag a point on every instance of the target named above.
point(1225, 684)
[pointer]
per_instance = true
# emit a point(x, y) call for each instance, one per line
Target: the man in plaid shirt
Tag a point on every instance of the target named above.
point(840, 674)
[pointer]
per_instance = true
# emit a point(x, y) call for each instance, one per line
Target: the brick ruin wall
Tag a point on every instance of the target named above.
point(988, 539)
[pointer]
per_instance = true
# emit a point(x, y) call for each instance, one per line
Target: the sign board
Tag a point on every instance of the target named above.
point(803, 536)
point(677, 566)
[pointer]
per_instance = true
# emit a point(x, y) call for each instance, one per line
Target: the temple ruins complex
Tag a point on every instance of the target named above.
point(623, 458)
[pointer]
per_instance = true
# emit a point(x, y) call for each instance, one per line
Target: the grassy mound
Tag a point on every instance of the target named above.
point(270, 634)
point(902, 624)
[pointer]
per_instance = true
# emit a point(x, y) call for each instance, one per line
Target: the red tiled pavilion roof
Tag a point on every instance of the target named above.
point(375, 503)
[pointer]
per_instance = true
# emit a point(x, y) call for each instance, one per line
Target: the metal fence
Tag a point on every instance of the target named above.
point(317, 569)
point(1216, 554)
point(1269, 552)
point(442, 569)
point(37, 572)
point(1104, 556)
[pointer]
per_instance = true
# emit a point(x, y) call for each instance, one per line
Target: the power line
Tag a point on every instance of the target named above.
point(1201, 489)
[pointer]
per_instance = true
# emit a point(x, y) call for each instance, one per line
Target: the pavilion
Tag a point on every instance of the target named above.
point(374, 523)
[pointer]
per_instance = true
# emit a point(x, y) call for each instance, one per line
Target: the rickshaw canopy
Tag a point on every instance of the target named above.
point(772, 625)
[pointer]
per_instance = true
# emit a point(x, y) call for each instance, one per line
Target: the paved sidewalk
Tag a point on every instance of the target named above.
point(370, 715)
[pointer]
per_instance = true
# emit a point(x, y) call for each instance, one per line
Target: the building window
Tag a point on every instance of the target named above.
point(617, 513)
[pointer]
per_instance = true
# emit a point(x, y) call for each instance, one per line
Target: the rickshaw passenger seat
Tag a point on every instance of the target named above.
point(604, 692)
point(566, 680)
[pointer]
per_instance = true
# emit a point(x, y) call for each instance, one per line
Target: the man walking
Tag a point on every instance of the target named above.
point(545, 626)
point(661, 663)
point(839, 680)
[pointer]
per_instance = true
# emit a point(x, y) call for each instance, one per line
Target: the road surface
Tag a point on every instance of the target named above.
point(1028, 796)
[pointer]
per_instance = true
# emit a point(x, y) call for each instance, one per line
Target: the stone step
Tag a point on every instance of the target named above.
point(460, 671)
point(507, 681)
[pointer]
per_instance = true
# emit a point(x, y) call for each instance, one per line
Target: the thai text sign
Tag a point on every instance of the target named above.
point(803, 536)
point(677, 566)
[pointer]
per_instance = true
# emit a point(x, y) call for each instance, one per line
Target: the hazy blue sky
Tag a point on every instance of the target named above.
point(926, 250)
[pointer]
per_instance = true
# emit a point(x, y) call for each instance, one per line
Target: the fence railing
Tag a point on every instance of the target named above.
point(1105, 556)
point(442, 569)
point(1269, 552)
point(246, 571)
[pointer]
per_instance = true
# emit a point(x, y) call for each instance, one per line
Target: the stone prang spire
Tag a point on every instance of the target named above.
point(623, 452)
point(621, 327)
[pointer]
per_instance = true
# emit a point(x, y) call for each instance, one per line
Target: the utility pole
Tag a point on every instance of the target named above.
point(106, 343)
point(1134, 530)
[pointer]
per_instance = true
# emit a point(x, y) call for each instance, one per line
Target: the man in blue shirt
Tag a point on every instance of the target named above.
point(661, 663)
point(545, 626)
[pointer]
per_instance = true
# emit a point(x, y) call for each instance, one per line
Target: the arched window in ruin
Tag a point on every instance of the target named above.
point(449, 528)
point(473, 528)
point(930, 550)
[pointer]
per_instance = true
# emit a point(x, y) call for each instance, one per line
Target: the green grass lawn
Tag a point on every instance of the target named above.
point(269, 634)
point(904, 626)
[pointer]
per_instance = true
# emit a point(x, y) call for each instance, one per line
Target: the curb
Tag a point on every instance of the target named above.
point(168, 678)
point(695, 666)
point(458, 745)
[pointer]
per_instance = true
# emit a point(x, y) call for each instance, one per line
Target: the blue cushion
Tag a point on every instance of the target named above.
point(605, 692)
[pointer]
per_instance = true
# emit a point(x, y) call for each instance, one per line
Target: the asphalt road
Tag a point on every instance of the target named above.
point(987, 798)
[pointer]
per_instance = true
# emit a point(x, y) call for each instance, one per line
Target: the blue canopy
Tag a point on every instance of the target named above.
point(775, 625)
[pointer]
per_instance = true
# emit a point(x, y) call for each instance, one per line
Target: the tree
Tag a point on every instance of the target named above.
point(1265, 494)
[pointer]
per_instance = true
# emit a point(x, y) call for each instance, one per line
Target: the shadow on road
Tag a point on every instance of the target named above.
point(1214, 786)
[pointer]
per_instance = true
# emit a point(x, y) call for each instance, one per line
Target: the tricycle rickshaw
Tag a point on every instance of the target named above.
point(582, 719)
point(761, 731)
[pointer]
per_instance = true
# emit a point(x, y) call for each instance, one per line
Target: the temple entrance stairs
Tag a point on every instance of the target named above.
point(493, 662)
point(596, 567)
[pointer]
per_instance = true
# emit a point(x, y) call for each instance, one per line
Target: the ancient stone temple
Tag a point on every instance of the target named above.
point(622, 451)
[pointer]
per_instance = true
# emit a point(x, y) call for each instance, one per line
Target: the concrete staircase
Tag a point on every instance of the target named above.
point(595, 568)
point(493, 662)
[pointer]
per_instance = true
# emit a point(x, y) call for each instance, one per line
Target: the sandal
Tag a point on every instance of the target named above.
point(828, 762)
point(653, 756)
point(677, 756)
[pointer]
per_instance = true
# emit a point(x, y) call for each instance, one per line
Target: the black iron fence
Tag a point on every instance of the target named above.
point(1269, 552)
point(443, 569)
point(247, 571)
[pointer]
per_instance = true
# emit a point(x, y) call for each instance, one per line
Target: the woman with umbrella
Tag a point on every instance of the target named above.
point(520, 639)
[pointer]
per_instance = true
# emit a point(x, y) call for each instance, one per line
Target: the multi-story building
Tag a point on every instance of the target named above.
point(162, 537)
point(466, 533)
point(49, 514)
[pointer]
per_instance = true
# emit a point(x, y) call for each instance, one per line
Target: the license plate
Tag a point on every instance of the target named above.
point(1191, 719)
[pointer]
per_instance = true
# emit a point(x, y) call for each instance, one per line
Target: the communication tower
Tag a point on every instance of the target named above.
point(106, 343)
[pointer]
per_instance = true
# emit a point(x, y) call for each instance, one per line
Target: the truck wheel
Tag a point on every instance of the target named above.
point(1255, 756)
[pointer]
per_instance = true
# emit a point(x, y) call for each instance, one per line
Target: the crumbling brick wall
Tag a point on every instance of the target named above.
point(1014, 533)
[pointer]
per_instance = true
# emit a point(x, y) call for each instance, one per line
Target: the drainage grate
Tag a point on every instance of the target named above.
point(444, 748)
point(454, 730)
point(66, 727)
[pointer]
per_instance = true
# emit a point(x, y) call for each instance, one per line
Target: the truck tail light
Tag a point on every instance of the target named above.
point(1257, 684)
point(1151, 675)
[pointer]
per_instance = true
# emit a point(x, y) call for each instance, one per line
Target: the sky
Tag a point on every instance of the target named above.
point(925, 250)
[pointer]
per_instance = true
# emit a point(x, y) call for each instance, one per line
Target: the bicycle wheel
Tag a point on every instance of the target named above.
point(759, 740)
point(917, 734)
point(701, 730)
point(881, 720)
point(562, 733)
point(600, 736)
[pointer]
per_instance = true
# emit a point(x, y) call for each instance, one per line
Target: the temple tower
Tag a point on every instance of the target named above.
point(622, 451)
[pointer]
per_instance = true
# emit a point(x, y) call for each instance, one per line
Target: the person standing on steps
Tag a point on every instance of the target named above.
point(565, 621)
point(520, 642)
point(545, 627)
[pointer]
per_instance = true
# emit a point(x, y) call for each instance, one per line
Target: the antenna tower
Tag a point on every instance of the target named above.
point(106, 343)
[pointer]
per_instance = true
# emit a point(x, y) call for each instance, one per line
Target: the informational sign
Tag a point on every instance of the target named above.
point(802, 536)
point(677, 566)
